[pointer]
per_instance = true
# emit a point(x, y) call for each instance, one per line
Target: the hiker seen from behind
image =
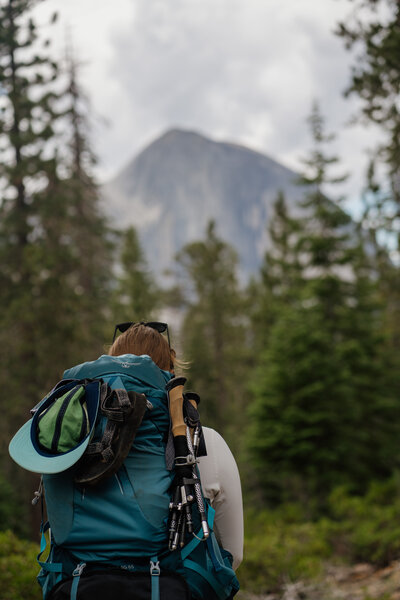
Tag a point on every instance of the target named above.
point(143, 502)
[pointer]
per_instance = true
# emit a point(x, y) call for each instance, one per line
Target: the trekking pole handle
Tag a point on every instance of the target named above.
point(174, 388)
point(193, 398)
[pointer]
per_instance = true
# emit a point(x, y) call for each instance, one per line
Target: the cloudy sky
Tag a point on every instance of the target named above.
point(240, 70)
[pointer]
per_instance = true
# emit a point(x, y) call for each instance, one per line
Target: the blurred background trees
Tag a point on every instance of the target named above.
point(214, 332)
point(54, 247)
point(322, 413)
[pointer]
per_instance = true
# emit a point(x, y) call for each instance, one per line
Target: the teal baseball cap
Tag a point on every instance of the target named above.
point(60, 430)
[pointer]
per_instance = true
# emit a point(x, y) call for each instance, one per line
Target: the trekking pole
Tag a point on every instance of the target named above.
point(174, 388)
point(174, 518)
point(178, 533)
point(193, 445)
point(194, 400)
point(185, 459)
point(180, 516)
point(198, 492)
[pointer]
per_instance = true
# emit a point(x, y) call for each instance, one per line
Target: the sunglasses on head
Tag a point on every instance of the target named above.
point(160, 327)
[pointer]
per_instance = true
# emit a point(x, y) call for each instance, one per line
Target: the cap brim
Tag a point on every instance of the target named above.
point(24, 453)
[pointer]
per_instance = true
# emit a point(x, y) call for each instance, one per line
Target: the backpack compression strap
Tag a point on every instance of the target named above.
point(219, 588)
point(76, 576)
point(155, 578)
point(124, 412)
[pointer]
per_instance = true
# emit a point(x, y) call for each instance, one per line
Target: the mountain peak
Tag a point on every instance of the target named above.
point(177, 133)
point(183, 179)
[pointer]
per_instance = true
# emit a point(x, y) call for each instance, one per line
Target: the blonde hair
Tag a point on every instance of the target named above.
point(141, 339)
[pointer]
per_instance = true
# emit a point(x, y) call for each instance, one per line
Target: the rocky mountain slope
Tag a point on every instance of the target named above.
point(178, 183)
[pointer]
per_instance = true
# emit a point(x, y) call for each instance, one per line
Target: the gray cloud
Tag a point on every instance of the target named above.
point(242, 70)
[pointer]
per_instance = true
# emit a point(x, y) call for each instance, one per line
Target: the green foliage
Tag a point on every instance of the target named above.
point(323, 412)
point(214, 332)
point(375, 75)
point(282, 544)
point(374, 31)
point(278, 548)
point(136, 296)
point(54, 247)
point(18, 568)
point(12, 512)
point(366, 528)
point(280, 274)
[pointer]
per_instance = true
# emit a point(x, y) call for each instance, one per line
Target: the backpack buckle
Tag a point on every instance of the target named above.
point(78, 570)
point(155, 568)
point(181, 461)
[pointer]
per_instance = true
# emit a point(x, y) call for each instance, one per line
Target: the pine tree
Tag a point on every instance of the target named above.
point(136, 296)
point(278, 280)
point(86, 227)
point(45, 308)
point(28, 113)
point(214, 327)
point(374, 31)
point(375, 78)
point(281, 269)
point(26, 128)
point(322, 412)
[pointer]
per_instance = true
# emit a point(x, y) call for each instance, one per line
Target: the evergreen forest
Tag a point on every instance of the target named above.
point(299, 369)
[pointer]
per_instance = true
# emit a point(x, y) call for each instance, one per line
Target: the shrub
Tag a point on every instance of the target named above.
point(283, 544)
point(279, 547)
point(18, 568)
point(368, 526)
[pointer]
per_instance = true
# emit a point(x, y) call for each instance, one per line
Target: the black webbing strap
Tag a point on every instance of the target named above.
point(123, 412)
point(115, 416)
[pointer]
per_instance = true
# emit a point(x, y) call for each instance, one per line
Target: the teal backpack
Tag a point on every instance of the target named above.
point(121, 523)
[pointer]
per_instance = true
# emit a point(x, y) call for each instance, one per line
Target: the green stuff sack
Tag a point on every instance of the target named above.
point(65, 423)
